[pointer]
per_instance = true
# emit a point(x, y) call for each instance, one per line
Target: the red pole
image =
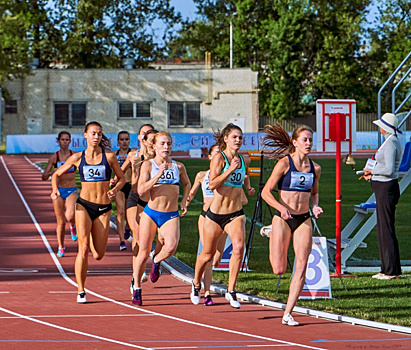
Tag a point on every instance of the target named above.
point(338, 193)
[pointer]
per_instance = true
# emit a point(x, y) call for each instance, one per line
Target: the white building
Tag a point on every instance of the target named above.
point(193, 100)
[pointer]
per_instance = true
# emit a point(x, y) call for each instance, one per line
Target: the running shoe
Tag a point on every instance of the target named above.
point(208, 301)
point(137, 300)
point(73, 231)
point(60, 252)
point(123, 246)
point(265, 231)
point(144, 277)
point(232, 298)
point(195, 294)
point(155, 272)
point(130, 239)
point(132, 285)
point(81, 297)
point(289, 320)
point(127, 233)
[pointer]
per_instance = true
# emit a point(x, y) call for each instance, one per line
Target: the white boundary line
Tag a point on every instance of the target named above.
point(63, 274)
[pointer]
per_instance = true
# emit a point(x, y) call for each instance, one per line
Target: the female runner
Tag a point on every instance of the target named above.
point(227, 173)
point(65, 203)
point(202, 180)
point(160, 178)
point(297, 179)
point(93, 206)
point(136, 204)
point(123, 139)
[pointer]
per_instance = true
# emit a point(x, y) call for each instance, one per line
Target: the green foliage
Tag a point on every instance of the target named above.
point(303, 50)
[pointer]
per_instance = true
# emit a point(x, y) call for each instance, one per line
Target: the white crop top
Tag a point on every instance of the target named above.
point(205, 186)
point(171, 176)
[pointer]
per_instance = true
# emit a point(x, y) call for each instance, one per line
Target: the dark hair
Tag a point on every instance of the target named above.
point(219, 135)
point(212, 147)
point(105, 142)
point(123, 132)
point(61, 133)
point(142, 126)
point(277, 137)
point(148, 132)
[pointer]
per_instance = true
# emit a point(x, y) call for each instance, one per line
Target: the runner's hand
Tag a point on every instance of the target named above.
point(55, 194)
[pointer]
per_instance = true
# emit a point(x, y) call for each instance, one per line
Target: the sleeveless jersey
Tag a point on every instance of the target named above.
point(171, 176)
point(205, 186)
point(237, 177)
point(293, 180)
point(122, 157)
point(98, 172)
point(59, 163)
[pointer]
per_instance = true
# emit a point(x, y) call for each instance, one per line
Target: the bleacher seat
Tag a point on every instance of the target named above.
point(406, 158)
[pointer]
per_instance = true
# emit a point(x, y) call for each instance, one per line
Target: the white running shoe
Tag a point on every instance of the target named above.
point(289, 320)
point(265, 231)
point(132, 285)
point(378, 275)
point(195, 294)
point(232, 298)
point(81, 297)
point(144, 277)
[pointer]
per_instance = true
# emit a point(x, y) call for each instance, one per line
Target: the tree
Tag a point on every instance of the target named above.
point(99, 33)
point(303, 50)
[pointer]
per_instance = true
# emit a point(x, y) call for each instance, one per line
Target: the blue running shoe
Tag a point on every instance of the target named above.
point(155, 271)
point(60, 252)
point(73, 232)
point(127, 233)
point(137, 300)
point(123, 246)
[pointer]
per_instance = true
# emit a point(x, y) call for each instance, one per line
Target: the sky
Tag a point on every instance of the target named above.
point(186, 7)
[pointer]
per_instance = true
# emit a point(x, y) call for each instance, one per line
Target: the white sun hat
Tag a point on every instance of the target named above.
point(389, 123)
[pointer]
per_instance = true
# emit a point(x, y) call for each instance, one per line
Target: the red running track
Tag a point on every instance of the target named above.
point(38, 306)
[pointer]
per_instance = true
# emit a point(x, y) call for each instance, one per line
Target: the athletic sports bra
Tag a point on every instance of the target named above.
point(59, 163)
point(293, 180)
point(205, 186)
point(171, 176)
point(237, 177)
point(122, 157)
point(98, 172)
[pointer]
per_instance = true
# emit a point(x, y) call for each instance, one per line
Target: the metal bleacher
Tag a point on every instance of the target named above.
point(350, 242)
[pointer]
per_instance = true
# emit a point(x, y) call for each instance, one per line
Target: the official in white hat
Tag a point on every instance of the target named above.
point(384, 182)
point(388, 123)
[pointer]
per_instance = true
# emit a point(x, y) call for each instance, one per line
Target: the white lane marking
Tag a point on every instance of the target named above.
point(230, 346)
point(75, 316)
point(60, 268)
point(72, 330)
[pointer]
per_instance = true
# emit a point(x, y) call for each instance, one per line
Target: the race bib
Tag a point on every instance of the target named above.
point(94, 173)
point(169, 177)
point(301, 181)
point(370, 164)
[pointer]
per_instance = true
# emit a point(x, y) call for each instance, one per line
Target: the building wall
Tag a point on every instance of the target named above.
point(102, 89)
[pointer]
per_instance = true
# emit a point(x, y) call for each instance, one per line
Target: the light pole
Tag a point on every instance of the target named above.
point(231, 42)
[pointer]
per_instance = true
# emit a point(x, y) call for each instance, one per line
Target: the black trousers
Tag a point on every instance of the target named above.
point(387, 195)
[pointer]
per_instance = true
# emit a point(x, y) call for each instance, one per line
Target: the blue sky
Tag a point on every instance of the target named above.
point(186, 7)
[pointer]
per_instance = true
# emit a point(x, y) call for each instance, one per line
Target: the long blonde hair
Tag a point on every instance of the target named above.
point(276, 137)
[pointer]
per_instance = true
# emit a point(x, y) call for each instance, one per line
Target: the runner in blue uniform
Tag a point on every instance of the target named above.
point(297, 179)
point(160, 177)
point(93, 206)
point(63, 205)
point(123, 139)
point(228, 171)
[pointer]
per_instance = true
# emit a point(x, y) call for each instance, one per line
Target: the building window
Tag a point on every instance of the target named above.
point(137, 110)
point(184, 114)
point(11, 106)
point(69, 114)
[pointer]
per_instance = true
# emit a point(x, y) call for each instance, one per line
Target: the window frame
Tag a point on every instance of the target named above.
point(13, 107)
point(185, 103)
point(70, 113)
point(135, 116)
